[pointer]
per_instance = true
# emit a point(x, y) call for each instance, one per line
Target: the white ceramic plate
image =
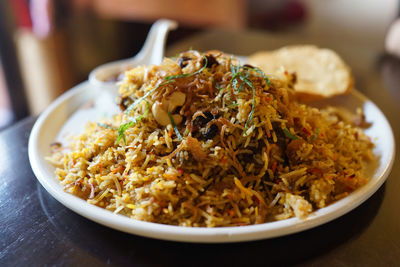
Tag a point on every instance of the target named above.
point(71, 111)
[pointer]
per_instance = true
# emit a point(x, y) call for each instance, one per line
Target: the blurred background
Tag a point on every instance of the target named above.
point(48, 46)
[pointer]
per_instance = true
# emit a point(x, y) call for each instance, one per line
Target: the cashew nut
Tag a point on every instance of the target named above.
point(176, 99)
point(160, 109)
point(161, 116)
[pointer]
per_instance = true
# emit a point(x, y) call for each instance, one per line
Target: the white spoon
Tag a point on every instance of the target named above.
point(152, 52)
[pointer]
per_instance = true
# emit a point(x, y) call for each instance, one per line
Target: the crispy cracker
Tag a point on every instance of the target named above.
point(320, 71)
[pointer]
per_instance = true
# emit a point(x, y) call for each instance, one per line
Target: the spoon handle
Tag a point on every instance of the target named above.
point(152, 51)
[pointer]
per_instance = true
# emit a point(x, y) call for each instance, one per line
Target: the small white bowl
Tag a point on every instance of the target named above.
point(152, 52)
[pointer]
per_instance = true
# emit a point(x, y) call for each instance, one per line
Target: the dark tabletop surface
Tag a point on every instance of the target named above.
point(35, 229)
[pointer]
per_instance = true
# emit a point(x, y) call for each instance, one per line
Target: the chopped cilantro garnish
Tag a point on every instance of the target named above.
point(123, 127)
point(219, 87)
point(250, 120)
point(241, 73)
point(168, 79)
point(121, 131)
point(259, 71)
point(103, 125)
point(174, 126)
point(290, 135)
point(315, 134)
point(173, 77)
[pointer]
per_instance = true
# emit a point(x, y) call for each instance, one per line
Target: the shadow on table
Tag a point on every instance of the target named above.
point(89, 239)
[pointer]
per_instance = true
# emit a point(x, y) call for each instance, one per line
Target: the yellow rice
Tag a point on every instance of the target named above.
point(232, 167)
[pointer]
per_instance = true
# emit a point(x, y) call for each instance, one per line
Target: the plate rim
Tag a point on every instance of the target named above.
point(196, 234)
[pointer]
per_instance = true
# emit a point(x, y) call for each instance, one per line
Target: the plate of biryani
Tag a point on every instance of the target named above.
point(205, 148)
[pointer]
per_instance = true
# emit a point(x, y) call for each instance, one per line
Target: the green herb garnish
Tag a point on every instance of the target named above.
point(174, 126)
point(173, 77)
point(103, 125)
point(235, 73)
point(219, 87)
point(123, 127)
point(250, 119)
point(245, 80)
point(290, 135)
point(315, 134)
point(144, 114)
point(137, 101)
point(233, 105)
point(243, 76)
point(259, 71)
point(169, 79)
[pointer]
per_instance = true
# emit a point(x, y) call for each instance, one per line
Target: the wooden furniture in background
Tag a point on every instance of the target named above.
point(44, 67)
point(195, 13)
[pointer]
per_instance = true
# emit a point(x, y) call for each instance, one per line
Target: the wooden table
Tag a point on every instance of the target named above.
point(37, 230)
